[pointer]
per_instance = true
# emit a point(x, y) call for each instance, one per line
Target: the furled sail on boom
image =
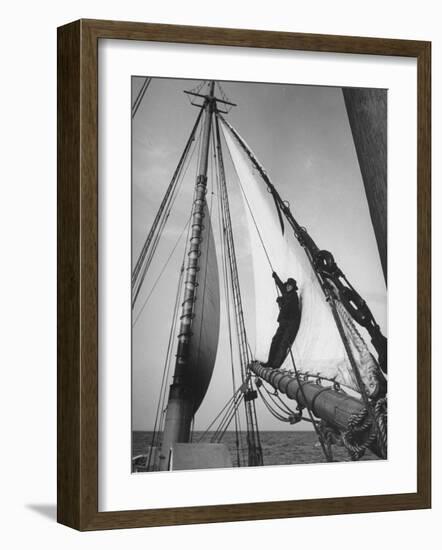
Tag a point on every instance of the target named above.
point(318, 348)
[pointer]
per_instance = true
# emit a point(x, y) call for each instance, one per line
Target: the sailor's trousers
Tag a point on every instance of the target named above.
point(282, 341)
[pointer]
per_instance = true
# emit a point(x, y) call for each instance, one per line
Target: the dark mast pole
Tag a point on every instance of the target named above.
point(181, 400)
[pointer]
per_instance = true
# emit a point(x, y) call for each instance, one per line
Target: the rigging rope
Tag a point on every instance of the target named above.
point(282, 406)
point(162, 225)
point(172, 333)
point(253, 439)
point(271, 409)
point(226, 406)
point(149, 247)
point(166, 263)
point(251, 213)
point(140, 96)
point(310, 249)
point(166, 370)
point(226, 288)
point(225, 423)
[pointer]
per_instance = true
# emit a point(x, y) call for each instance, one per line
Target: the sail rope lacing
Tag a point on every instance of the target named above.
point(207, 238)
point(173, 329)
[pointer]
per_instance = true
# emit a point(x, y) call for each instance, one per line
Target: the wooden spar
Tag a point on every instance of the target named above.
point(180, 405)
point(335, 408)
point(332, 406)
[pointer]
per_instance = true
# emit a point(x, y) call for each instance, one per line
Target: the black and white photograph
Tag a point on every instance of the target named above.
point(259, 274)
point(220, 240)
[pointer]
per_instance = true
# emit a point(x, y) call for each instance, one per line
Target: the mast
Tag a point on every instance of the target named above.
point(255, 457)
point(180, 407)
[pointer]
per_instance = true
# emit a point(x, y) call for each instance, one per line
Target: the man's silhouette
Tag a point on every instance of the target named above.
point(289, 319)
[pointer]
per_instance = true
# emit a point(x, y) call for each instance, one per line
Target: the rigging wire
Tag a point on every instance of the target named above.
point(180, 291)
point(226, 288)
point(251, 213)
point(162, 224)
point(161, 407)
point(161, 213)
point(329, 298)
point(231, 258)
point(253, 439)
point(166, 370)
point(180, 176)
point(224, 410)
point(225, 97)
point(195, 90)
point(222, 428)
point(333, 310)
point(231, 407)
point(166, 263)
point(140, 95)
point(319, 434)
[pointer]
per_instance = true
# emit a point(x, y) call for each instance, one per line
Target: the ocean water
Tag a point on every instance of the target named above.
point(279, 447)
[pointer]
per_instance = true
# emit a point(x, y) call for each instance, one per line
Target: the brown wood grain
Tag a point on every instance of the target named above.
point(68, 276)
point(77, 226)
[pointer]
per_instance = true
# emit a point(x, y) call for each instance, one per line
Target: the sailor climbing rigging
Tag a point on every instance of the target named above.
point(288, 321)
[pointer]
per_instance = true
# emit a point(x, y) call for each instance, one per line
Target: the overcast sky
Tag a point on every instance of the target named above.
point(302, 137)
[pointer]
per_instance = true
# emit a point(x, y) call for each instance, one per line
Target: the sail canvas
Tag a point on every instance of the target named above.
point(318, 347)
point(210, 298)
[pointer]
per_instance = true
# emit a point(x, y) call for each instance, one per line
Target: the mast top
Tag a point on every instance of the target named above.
point(210, 98)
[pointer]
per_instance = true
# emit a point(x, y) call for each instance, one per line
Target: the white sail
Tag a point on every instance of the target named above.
point(318, 347)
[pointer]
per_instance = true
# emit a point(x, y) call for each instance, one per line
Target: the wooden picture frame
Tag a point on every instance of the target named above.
point(77, 225)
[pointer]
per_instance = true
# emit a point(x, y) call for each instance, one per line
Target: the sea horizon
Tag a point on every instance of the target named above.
point(279, 447)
